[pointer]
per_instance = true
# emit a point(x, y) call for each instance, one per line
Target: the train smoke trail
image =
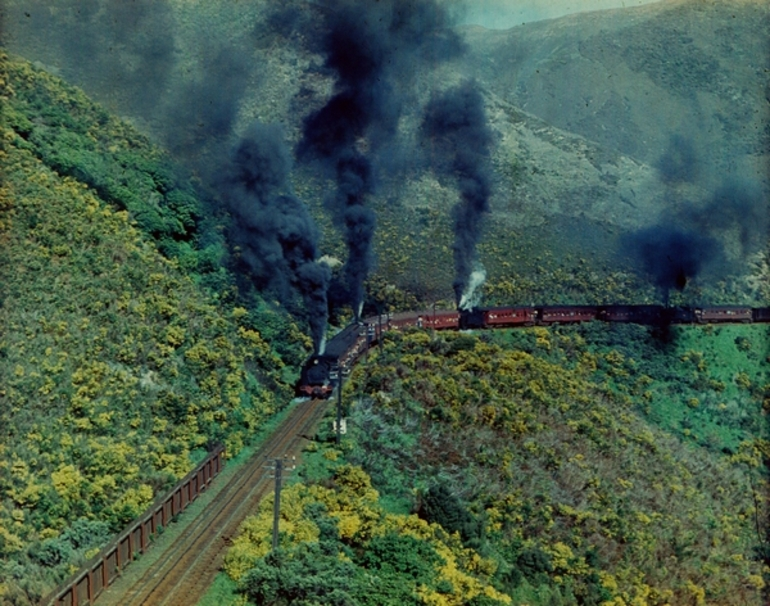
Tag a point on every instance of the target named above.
point(736, 206)
point(672, 256)
point(127, 53)
point(277, 235)
point(455, 131)
point(368, 47)
point(123, 50)
point(717, 233)
point(203, 109)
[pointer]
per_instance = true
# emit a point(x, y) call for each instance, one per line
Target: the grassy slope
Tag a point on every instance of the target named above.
point(118, 370)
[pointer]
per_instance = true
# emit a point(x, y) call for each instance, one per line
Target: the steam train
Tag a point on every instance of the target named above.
point(321, 372)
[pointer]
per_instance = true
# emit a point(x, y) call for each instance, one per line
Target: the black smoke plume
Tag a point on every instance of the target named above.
point(277, 236)
point(693, 238)
point(737, 205)
point(370, 48)
point(698, 235)
point(203, 109)
point(672, 256)
point(126, 53)
point(123, 51)
point(455, 132)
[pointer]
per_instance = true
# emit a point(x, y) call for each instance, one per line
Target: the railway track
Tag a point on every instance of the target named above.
point(188, 567)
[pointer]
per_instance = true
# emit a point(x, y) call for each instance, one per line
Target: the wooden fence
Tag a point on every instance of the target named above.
point(84, 587)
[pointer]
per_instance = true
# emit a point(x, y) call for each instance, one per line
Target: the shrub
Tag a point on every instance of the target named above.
point(305, 576)
point(403, 555)
point(439, 505)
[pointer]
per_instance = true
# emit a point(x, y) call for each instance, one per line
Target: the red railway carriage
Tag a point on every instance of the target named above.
point(440, 319)
point(437, 319)
point(711, 315)
point(509, 316)
point(565, 315)
point(399, 321)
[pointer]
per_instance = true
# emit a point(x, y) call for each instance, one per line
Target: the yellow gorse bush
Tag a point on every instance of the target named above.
point(355, 506)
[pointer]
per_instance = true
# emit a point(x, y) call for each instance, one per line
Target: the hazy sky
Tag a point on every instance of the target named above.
point(502, 14)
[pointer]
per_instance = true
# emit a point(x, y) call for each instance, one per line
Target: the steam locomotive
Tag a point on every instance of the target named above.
point(320, 374)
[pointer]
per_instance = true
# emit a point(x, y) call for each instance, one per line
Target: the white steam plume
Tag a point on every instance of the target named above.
point(471, 296)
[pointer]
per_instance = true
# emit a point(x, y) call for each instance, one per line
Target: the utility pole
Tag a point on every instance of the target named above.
point(371, 335)
point(339, 407)
point(335, 374)
point(278, 468)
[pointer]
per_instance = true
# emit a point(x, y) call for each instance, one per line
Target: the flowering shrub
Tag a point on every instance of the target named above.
point(119, 370)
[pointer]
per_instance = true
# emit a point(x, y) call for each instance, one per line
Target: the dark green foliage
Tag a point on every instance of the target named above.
point(51, 552)
point(591, 592)
point(79, 139)
point(307, 576)
point(742, 343)
point(81, 536)
point(86, 534)
point(462, 343)
point(483, 600)
point(533, 563)
point(439, 505)
point(276, 328)
point(383, 589)
point(403, 555)
point(329, 533)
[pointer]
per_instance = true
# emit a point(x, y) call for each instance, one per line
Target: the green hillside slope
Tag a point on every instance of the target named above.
point(593, 465)
point(561, 451)
point(117, 371)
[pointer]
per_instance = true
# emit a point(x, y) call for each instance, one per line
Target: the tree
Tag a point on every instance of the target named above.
point(403, 555)
point(302, 577)
point(439, 505)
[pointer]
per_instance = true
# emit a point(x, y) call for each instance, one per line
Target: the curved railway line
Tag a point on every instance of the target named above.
point(188, 567)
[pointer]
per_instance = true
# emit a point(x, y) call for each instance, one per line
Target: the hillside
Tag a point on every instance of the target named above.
point(592, 465)
point(630, 80)
point(561, 466)
point(118, 369)
point(603, 124)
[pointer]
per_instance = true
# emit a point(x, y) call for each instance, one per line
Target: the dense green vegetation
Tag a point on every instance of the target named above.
point(118, 368)
point(77, 138)
point(584, 465)
point(339, 545)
